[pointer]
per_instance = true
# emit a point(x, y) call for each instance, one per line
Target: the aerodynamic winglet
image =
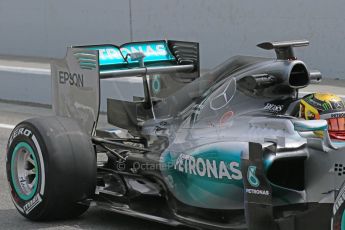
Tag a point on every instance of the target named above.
point(284, 49)
point(275, 45)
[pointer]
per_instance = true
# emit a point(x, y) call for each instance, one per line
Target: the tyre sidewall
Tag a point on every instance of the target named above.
point(25, 133)
point(338, 219)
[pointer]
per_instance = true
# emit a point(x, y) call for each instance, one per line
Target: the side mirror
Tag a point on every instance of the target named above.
point(310, 125)
point(323, 144)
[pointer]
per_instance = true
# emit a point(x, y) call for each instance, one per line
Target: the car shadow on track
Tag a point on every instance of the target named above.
point(93, 219)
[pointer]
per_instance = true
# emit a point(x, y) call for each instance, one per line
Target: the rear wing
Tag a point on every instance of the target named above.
point(76, 78)
point(159, 56)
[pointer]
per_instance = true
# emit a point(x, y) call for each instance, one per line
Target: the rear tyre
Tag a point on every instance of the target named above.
point(51, 168)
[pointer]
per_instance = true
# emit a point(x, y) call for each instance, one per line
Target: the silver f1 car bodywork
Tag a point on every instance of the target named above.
point(224, 149)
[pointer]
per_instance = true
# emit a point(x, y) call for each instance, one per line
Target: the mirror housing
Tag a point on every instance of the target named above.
point(310, 125)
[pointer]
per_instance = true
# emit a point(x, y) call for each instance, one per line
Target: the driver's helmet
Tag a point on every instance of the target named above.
point(328, 107)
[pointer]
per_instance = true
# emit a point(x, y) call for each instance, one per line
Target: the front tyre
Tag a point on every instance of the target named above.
point(338, 219)
point(51, 168)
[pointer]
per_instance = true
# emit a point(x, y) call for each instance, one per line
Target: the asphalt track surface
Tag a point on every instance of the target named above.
point(94, 218)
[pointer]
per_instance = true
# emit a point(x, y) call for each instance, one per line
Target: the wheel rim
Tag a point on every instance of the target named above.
point(24, 171)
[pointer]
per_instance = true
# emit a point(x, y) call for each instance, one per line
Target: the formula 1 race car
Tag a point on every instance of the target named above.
point(225, 149)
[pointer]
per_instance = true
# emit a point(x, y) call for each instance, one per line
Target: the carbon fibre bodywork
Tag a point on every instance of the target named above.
point(224, 150)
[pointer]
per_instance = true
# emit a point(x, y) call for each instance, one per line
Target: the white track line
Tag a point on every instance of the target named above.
point(27, 70)
point(7, 126)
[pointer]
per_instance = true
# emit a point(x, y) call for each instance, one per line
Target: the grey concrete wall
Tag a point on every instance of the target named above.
point(47, 27)
point(223, 27)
